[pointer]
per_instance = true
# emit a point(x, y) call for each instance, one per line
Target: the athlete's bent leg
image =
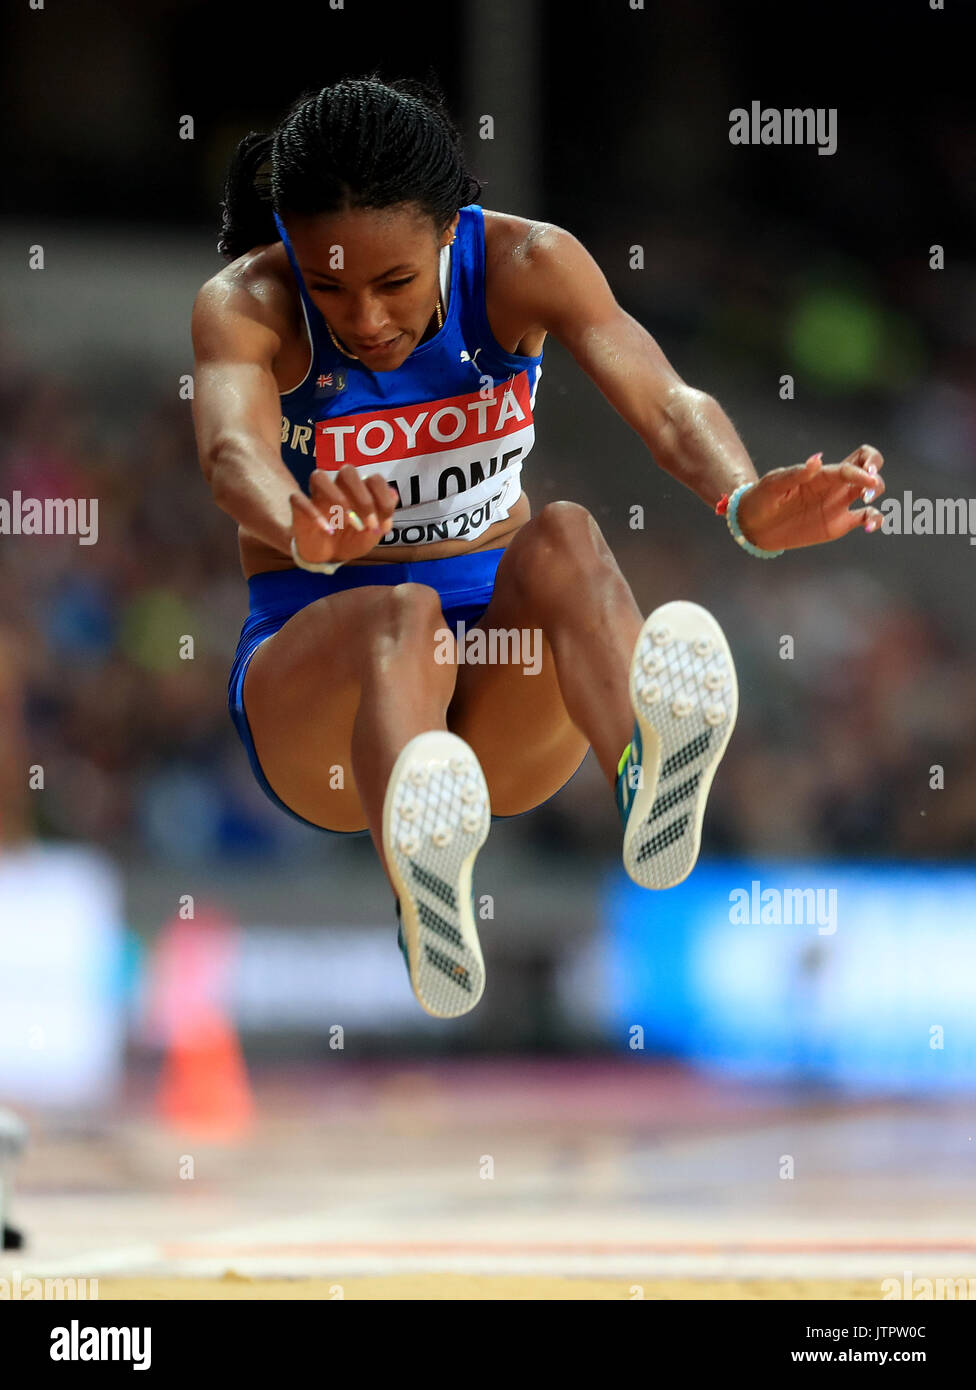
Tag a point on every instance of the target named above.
point(336, 693)
point(531, 732)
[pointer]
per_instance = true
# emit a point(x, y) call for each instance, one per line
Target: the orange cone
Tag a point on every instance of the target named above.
point(204, 1089)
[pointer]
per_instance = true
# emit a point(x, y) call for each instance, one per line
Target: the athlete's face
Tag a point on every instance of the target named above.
point(374, 275)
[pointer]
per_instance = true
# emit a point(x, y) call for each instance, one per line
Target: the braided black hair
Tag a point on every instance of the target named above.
point(360, 143)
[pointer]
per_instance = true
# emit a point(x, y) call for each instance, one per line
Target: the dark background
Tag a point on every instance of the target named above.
point(632, 105)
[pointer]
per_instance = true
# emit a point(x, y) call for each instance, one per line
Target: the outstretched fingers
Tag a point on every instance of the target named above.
point(866, 456)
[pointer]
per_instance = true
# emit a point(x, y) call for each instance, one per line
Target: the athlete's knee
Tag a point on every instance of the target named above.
point(403, 609)
point(409, 622)
point(565, 530)
point(561, 544)
point(564, 521)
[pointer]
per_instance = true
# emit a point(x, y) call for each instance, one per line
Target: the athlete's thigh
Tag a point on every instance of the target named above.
point(301, 693)
point(512, 714)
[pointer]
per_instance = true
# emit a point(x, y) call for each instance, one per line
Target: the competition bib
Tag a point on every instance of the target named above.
point(454, 463)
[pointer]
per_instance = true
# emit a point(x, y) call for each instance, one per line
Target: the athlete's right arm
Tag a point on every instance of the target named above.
point(237, 418)
point(237, 412)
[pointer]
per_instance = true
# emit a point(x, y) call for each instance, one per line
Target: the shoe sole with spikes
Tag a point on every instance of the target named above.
point(685, 698)
point(436, 817)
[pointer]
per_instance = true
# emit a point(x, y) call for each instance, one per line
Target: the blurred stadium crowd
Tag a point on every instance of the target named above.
point(833, 750)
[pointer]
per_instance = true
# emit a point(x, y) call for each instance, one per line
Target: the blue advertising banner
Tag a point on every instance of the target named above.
point(862, 976)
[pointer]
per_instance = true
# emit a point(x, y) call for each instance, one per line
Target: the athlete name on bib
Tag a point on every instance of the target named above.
point(455, 463)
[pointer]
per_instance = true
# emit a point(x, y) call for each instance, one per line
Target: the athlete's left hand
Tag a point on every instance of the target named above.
point(810, 503)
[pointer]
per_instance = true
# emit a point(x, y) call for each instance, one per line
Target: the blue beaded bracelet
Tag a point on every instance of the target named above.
point(731, 516)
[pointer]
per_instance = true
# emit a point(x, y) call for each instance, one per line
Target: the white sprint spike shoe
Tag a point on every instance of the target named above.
point(685, 699)
point(436, 817)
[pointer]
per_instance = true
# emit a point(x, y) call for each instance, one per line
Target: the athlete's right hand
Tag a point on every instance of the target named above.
point(333, 496)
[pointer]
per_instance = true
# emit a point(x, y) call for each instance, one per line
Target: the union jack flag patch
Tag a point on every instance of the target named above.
point(329, 383)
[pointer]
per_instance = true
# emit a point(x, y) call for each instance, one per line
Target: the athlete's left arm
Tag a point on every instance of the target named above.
point(564, 291)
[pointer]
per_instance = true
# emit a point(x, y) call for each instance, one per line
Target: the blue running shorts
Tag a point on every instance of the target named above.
point(464, 582)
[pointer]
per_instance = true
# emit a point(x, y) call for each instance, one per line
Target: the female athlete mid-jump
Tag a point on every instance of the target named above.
point(366, 371)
